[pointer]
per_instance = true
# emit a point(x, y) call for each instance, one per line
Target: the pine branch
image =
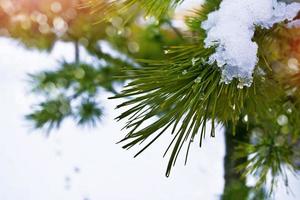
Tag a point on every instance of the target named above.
point(156, 8)
point(71, 91)
point(181, 94)
point(185, 94)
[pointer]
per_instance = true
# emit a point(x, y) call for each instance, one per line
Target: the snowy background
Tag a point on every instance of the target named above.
point(77, 164)
point(81, 164)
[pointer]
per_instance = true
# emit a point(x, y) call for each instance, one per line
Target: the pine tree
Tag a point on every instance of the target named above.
point(187, 91)
point(174, 84)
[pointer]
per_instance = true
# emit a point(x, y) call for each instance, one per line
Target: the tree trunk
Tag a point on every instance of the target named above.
point(77, 56)
point(235, 187)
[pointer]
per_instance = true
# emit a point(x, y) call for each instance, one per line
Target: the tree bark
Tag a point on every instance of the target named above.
point(235, 187)
point(77, 56)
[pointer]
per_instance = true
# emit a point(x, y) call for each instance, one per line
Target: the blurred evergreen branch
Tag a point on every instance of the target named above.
point(51, 113)
point(156, 8)
point(71, 91)
point(77, 84)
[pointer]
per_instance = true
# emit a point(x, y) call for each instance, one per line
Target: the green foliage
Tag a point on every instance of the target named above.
point(241, 191)
point(89, 113)
point(156, 8)
point(182, 93)
point(270, 158)
point(144, 41)
point(80, 82)
point(274, 146)
point(194, 22)
point(51, 113)
point(73, 91)
point(185, 92)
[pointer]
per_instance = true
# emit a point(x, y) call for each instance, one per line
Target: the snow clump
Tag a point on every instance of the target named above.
point(231, 28)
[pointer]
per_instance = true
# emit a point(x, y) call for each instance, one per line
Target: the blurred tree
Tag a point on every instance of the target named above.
point(39, 24)
point(73, 88)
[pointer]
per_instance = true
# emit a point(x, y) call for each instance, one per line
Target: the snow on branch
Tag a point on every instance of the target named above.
point(231, 28)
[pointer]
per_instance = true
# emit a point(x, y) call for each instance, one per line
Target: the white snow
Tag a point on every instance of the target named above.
point(231, 28)
point(294, 24)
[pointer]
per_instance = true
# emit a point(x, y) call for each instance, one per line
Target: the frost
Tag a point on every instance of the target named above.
point(231, 28)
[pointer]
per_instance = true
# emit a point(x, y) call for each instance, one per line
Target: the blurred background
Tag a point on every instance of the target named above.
point(58, 63)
